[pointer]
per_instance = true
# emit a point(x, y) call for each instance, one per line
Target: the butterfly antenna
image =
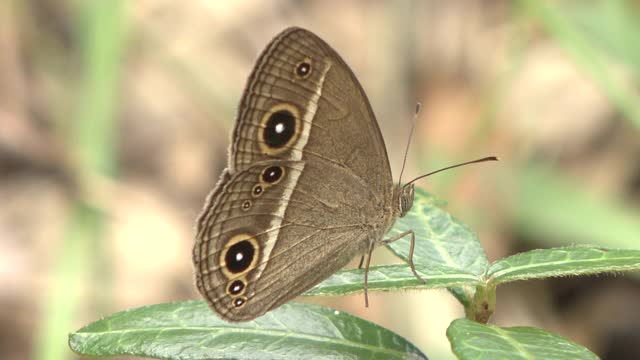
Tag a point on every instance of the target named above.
point(406, 150)
point(488, 158)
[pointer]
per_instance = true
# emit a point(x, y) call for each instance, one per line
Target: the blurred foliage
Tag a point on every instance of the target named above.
point(558, 210)
point(592, 34)
point(147, 90)
point(91, 141)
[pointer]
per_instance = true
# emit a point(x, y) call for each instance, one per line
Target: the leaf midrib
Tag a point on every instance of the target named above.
point(513, 342)
point(270, 333)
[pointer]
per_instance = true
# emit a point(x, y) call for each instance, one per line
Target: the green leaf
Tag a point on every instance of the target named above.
point(393, 277)
point(190, 330)
point(441, 241)
point(476, 341)
point(564, 261)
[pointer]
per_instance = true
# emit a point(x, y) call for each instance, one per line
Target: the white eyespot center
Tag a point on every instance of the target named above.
point(280, 128)
point(239, 256)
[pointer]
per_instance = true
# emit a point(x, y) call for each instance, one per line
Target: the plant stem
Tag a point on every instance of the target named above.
point(483, 304)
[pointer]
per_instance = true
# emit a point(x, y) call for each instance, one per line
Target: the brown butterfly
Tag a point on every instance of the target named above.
point(308, 185)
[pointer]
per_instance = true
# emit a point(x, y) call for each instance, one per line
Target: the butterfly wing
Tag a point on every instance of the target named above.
point(344, 134)
point(307, 185)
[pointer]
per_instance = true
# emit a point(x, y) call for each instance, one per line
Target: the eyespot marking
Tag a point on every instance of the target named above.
point(239, 255)
point(272, 174)
point(246, 205)
point(236, 287)
point(239, 302)
point(303, 69)
point(257, 190)
point(279, 128)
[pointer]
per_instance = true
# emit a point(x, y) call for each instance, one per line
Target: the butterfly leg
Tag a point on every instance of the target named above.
point(361, 262)
point(411, 248)
point(366, 276)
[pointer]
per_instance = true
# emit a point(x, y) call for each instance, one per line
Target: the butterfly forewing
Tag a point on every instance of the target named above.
point(345, 132)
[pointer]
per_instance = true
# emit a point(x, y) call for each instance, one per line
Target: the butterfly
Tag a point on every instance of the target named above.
point(307, 188)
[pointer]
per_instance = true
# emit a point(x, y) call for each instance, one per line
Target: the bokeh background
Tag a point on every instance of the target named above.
point(114, 123)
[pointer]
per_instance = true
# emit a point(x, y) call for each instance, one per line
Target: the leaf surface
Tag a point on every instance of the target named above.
point(190, 330)
point(475, 341)
point(564, 261)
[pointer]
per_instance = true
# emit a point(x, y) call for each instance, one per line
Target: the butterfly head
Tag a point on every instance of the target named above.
point(405, 200)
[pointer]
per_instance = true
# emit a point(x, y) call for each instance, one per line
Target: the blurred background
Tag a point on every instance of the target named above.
point(115, 119)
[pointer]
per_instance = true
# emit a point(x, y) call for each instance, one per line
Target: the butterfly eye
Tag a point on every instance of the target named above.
point(272, 174)
point(303, 69)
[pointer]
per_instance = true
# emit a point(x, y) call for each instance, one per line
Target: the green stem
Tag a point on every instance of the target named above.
point(483, 304)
